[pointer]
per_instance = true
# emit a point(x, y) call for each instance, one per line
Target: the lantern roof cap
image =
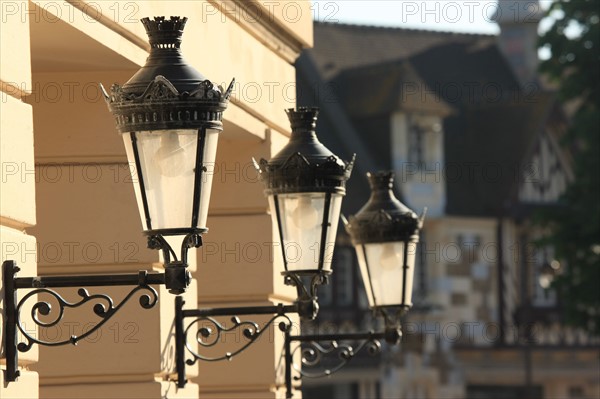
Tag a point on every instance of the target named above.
point(383, 218)
point(304, 164)
point(167, 92)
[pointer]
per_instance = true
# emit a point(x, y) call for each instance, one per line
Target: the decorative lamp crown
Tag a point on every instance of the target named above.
point(304, 164)
point(164, 33)
point(167, 93)
point(383, 218)
point(303, 119)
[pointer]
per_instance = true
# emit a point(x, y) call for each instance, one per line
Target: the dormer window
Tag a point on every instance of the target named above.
point(415, 145)
point(422, 140)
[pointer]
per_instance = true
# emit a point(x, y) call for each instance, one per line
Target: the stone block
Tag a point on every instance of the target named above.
point(14, 46)
point(17, 197)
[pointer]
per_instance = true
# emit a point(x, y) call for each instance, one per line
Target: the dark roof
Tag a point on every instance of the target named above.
point(473, 73)
point(357, 73)
point(385, 88)
point(341, 46)
point(485, 148)
point(337, 131)
point(467, 73)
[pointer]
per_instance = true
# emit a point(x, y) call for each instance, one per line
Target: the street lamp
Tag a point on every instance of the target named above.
point(305, 183)
point(170, 117)
point(385, 233)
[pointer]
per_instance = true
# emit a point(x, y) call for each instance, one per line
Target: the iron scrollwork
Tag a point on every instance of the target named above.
point(45, 316)
point(324, 355)
point(314, 353)
point(211, 335)
point(206, 331)
point(104, 309)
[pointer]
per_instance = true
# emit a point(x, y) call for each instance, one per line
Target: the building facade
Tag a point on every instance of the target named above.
point(473, 135)
point(67, 204)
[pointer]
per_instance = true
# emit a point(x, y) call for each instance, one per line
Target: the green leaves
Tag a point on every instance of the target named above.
point(574, 42)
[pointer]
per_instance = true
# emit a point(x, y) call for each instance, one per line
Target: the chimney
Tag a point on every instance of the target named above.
point(518, 21)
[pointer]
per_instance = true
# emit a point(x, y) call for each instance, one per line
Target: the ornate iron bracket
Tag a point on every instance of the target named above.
point(315, 349)
point(156, 240)
point(103, 307)
point(177, 276)
point(207, 331)
point(306, 284)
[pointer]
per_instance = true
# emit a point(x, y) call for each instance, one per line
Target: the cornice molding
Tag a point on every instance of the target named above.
point(268, 31)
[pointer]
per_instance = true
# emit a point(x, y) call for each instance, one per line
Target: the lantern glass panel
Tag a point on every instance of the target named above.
point(382, 269)
point(167, 166)
point(302, 222)
point(135, 177)
point(208, 163)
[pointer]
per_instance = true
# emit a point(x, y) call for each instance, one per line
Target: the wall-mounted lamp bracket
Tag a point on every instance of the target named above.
point(314, 349)
point(207, 331)
point(177, 276)
point(104, 306)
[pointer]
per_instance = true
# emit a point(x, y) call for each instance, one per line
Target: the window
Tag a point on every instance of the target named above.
point(423, 141)
point(415, 145)
point(541, 296)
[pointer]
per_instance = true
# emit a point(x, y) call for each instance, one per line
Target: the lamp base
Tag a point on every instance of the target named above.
point(306, 282)
point(177, 277)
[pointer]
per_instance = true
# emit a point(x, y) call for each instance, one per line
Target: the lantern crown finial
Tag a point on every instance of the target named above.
point(381, 181)
point(164, 33)
point(303, 118)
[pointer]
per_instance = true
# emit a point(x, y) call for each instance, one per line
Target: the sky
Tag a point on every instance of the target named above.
point(470, 16)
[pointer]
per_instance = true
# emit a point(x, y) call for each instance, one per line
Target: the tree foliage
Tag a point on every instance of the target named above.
point(575, 228)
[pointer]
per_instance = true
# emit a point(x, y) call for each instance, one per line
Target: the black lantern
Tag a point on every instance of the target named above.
point(305, 183)
point(385, 234)
point(170, 116)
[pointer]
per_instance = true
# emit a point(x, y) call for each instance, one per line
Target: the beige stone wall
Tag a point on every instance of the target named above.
point(17, 193)
point(239, 264)
point(86, 221)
